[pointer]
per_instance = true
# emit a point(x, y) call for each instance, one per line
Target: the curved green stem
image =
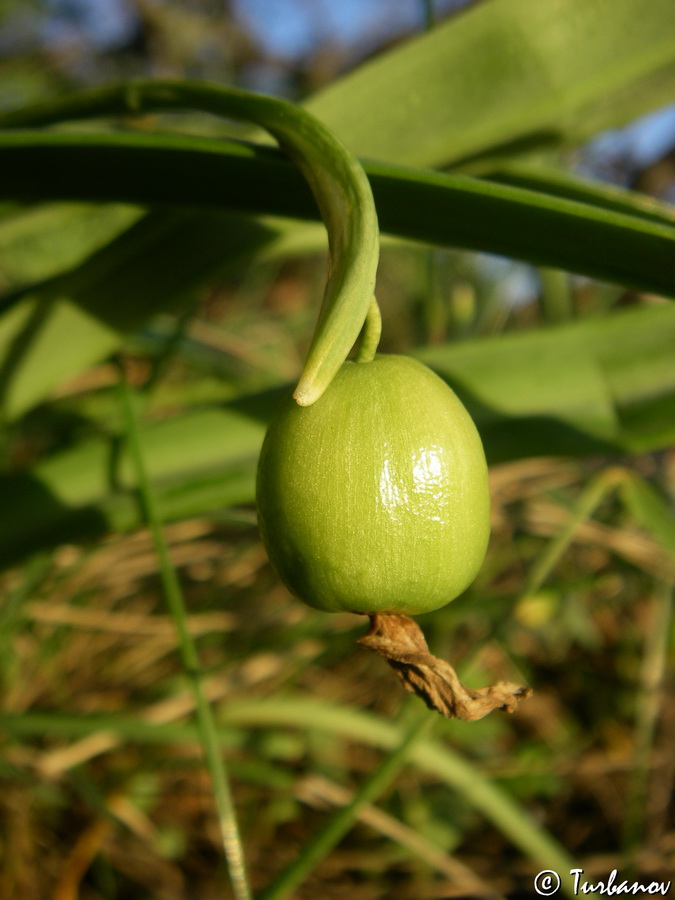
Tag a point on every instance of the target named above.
point(372, 330)
point(337, 180)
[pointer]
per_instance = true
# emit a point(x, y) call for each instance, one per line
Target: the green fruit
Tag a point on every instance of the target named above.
point(375, 498)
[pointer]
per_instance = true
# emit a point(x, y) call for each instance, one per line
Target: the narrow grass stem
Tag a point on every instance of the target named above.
point(343, 819)
point(435, 305)
point(428, 13)
point(654, 665)
point(169, 347)
point(556, 295)
point(591, 498)
point(227, 819)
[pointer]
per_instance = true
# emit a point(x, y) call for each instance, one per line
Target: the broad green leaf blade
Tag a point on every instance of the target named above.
point(507, 77)
point(561, 392)
point(72, 321)
point(600, 385)
point(89, 491)
point(40, 242)
point(614, 241)
point(539, 228)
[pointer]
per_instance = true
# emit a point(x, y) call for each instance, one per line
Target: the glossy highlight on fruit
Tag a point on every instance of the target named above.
point(375, 499)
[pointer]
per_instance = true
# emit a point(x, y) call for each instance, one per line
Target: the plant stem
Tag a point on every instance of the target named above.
point(227, 819)
point(343, 819)
point(428, 12)
point(588, 502)
point(556, 295)
point(654, 666)
point(370, 336)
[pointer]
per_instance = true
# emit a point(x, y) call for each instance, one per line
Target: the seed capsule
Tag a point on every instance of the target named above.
point(375, 498)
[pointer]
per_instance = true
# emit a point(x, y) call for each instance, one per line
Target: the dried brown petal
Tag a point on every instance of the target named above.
point(400, 641)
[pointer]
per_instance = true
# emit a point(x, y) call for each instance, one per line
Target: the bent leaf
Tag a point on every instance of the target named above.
point(335, 177)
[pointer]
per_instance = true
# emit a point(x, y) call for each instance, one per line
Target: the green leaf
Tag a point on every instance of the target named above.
point(549, 180)
point(500, 77)
point(40, 242)
point(612, 240)
point(506, 77)
point(167, 258)
point(600, 385)
point(70, 322)
point(200, 462)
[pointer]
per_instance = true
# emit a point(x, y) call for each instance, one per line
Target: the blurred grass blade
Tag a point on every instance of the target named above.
point(504, 78)
point(434, 757)
point(227, 818)
point(650, 510)
point(649, 706)
point(328, 837)
point(593, 387)
point(556, 296)
point(591, 497)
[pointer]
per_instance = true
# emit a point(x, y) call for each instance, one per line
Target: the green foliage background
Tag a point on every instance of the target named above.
point(199, 259)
